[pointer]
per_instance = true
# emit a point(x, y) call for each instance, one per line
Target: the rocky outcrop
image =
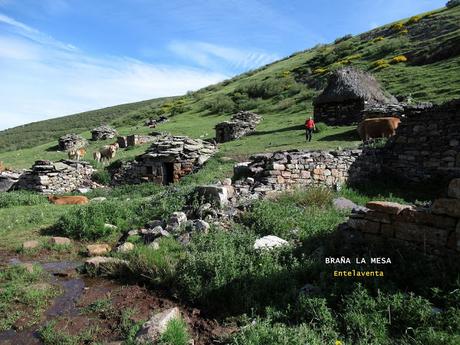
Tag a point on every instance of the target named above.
point(56, 177)
point(240, 124)
point(433, 230)
point(103, 132)
point(72, 141)
point(8, 180)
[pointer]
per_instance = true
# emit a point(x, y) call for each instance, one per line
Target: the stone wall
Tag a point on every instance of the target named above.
point(339, 114)
point(426, 145)
point(289, 169)
point(167, 160)
point(56, 177)
point(240, 124)
point(433, 230)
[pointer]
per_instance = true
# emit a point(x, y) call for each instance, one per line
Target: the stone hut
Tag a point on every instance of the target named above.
point(348, 94)
point(56, 177)
point(103, 132)
point(240, 124)
point(71, 142)
point(166, 161)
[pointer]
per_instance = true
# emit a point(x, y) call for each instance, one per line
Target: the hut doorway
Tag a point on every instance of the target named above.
point(168, 173)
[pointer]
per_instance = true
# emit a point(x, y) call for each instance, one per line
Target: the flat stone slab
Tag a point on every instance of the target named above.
point(343, 204)
point(387, 207)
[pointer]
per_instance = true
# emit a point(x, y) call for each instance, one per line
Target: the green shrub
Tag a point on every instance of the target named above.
point(176, 333)
point(264, 89)
point(305, 197)
point(321, 127)
point(220, 104)
point(263, 332)
point(21, 198)
point(102, 176)
point(156, 265)
point(88, 222)
point(223, 266)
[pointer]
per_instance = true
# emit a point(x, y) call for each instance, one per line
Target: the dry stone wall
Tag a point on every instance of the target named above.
point(56, 177)
point(426, 145)
point(289, 169)
point(433, 230)
point(240, 124)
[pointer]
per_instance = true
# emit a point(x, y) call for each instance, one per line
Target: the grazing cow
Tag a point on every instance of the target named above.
point(107, 153)
point(378, 127)
point(2, 167)
point(76, 154)
point(68, 200)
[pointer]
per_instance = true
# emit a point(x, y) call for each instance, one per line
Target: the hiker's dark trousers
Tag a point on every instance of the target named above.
point(308, 133)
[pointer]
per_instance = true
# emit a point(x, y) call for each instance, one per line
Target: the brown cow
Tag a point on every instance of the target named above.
point(106, 153)
point(68, 200)
point(2, 167)
point(76, 154)
point(378, 127)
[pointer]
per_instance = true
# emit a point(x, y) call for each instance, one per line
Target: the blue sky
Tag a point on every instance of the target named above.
point(60, 57)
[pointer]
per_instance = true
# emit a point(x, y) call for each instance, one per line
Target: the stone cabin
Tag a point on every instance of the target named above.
point(103, 132)
point(72, 142)
point(349, 94)
point(240, 124)
point(56, 177)
point(166, 161)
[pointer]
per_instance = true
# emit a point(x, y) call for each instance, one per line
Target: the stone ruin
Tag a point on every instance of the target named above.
point(137, 139)
point(8, 179)
point(240, 124)
point(271, 172)
point(103, 132)
point(56, 177)
point(433, 230)
point(72, 142)
point(166, 161)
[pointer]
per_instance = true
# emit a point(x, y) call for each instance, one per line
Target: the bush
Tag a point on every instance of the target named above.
point(220, 104)
point(102, 176)
point(380, 64)
point(398, 59)
point(397, 27)
point(314, 196)
point(378, 39)
point(223, 266)
point(156, 265)
point(413, 20)
point(321, 127)
point(320, 70)
point(263, 332)
point(88, 222)
point(452, 3)
point(264, 89)
point(21, 198)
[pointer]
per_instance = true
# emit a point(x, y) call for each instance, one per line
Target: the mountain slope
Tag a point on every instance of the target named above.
point(282, 92)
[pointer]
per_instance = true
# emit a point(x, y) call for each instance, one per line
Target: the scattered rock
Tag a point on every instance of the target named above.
point(342, 204)
point(268, 242)
point(99, 199)
point(83, 190)
point(213, 194)
point(97, 249)
point(32, 244)
point(227, 182)
point(103, 265)
point(200, 225)
point(110, 226)
point(156, 326)
point(28, 266)
point(125, 247)
point(63, 241)
point(155, 245)
point(177, 219)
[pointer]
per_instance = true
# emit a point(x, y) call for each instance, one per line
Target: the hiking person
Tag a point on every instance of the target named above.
point(309, 127)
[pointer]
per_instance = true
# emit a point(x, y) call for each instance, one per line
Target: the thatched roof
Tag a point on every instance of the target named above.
point(347, 84)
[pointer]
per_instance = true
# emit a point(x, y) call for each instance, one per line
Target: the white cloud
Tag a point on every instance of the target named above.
point(44, 78)
point(212, 55)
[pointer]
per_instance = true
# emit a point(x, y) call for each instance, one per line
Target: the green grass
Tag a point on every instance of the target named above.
point(176, 333)
point(23, 295)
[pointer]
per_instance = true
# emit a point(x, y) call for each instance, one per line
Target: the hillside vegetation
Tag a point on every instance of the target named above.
point(418, 56)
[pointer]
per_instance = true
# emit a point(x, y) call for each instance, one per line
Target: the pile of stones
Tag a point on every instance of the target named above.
point(56, 177)
point(103, 132)
point(72, 141)
point(240, 124)
point(8, 179)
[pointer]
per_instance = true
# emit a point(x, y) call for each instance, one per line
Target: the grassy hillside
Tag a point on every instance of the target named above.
point(417, 56)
